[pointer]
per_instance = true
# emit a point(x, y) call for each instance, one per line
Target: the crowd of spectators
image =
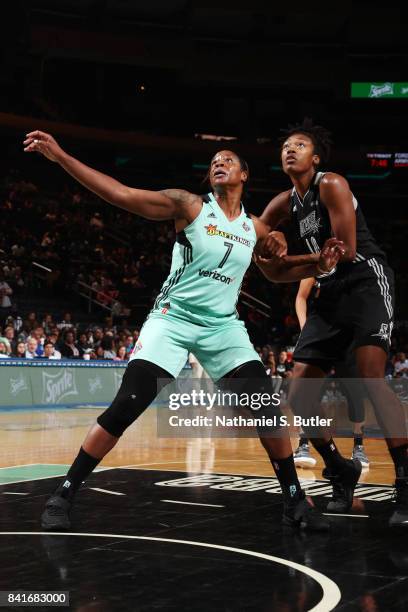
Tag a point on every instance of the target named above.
point(55, 243)
point(46, 338)
point(278, 362)
point(51, 241)
point(63, 338)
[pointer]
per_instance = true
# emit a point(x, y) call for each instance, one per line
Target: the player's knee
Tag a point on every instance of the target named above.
point(250, 377)
point(251, 380)
point(141, 383)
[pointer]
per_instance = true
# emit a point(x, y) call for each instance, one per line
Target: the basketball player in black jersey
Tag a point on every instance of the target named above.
point(355, 304)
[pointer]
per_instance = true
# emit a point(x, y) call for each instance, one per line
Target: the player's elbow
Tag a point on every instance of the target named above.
point(122, 197)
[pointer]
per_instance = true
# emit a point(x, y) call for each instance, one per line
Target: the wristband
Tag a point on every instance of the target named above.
point(320, 271)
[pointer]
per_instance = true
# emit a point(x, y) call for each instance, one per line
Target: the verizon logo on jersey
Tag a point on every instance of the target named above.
point(216, 276)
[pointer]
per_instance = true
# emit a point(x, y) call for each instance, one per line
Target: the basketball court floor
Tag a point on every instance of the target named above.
point(188, 524)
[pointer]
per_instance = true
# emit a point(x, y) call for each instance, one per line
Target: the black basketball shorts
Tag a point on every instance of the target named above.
point(356, 310)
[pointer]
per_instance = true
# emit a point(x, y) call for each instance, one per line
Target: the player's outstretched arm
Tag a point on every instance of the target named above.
point(288, 269)
point(155, 205)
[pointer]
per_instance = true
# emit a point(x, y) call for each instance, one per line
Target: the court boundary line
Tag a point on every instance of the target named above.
point(5, 484)
point(136, 466)
point(187, 503)
point(143, 469)
point(331, 592)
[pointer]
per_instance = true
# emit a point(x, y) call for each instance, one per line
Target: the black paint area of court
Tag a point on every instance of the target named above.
point(365, 559)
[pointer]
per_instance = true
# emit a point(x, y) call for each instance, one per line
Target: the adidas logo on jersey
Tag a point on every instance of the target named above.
point(212, 216)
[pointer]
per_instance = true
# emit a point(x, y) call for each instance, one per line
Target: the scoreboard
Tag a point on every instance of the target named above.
point(387, 160)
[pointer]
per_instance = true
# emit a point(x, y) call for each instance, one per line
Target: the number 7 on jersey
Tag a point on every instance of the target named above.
point(229, 246)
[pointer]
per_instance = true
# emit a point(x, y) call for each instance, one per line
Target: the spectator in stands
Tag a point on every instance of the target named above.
point(15, 322)
point(108, 347)
point(5, 301)
point(20, 352)
point(48, 323)
point(9, 334)
point(30, 322)
point(97, 336)
point(31, 351)
point(129, 344)
point(66, 322)
point(49, 351)
point(284, 367)
point(6, 342)
point(39, 335)
point(270, 365)
point(121, 354)
point(68, 348)
point(83, 344)
point(16, 279)
point(96, 221)
point(54, 336)
point(4, 354)
point(401, 365)
point(99, 352)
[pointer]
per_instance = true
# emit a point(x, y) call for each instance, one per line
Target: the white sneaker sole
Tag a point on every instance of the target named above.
point(364, 464)
point(305, 462)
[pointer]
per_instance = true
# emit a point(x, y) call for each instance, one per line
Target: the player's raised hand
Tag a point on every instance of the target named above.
point(274, 245)
point(330, 254)
point(41, 142)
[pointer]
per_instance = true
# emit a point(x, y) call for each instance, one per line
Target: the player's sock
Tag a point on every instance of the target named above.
point(399, 456)
point(286, 474)
point(331, 456)
point(358, 439)
point(303, 440)
point(83, 465)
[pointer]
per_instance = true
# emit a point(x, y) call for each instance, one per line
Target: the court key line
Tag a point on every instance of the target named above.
point(106, 491)
point(175, 501)
point(331, 592)
point(349, 515)
point(140, 466)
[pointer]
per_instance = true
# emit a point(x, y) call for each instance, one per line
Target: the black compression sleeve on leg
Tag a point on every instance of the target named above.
point(254, 381)
point(141, 383)
point(251, 379)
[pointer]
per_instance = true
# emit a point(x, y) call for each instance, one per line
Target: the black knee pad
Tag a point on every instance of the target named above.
point(141, 383)
point(251, 379)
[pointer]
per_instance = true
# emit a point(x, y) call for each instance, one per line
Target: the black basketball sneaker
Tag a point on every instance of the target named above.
point(343, 483)
point(56, 514)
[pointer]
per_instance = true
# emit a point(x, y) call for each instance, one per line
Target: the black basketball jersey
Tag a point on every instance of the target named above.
point(312, 226)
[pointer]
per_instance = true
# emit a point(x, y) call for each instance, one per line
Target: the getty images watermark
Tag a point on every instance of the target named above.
point(200, 408)
point(197, 409)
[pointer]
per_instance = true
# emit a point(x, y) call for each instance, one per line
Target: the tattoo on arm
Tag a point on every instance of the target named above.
point(180, 196)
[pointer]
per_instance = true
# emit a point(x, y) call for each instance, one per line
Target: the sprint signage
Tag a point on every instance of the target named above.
point(378, 90)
